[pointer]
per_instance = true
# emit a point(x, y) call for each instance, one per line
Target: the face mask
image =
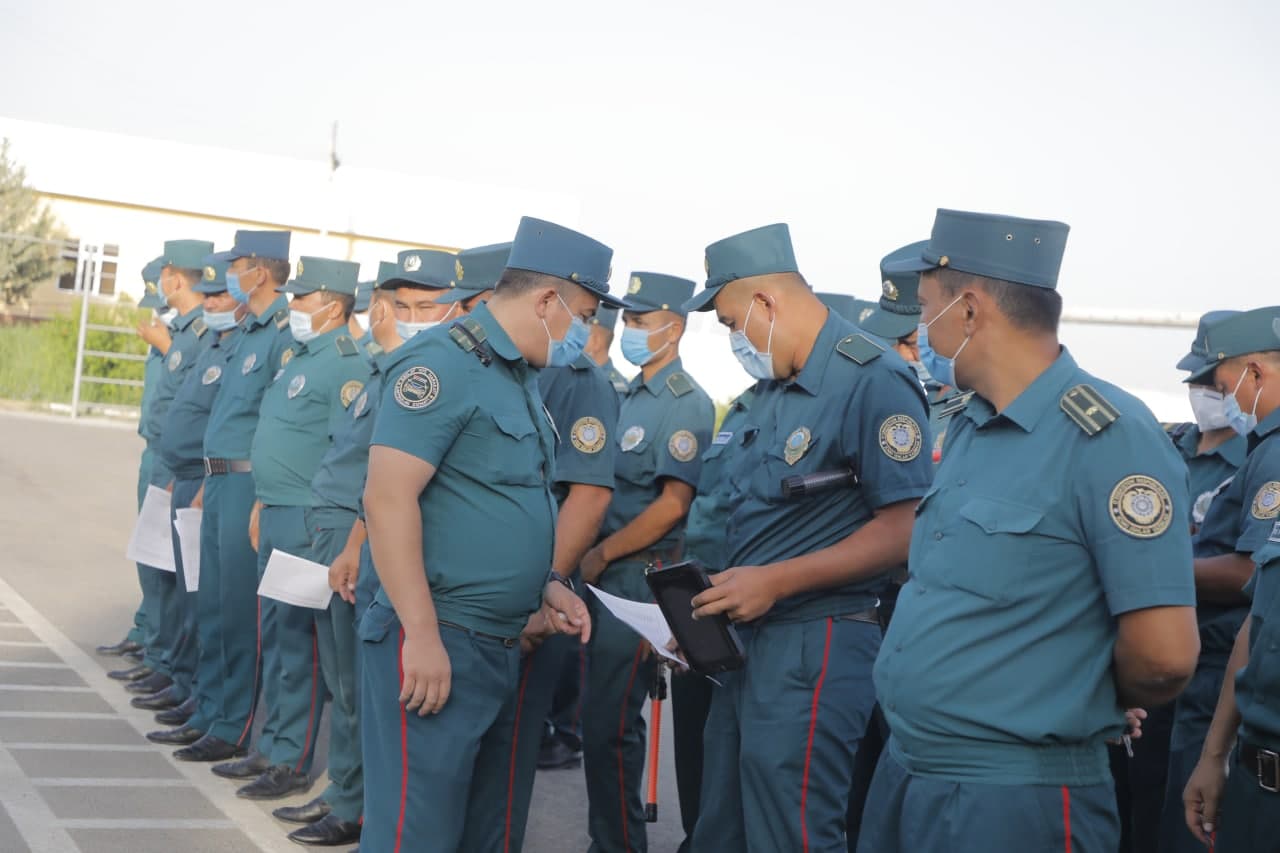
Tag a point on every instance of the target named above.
point(302, 324)
point(1209, 408)
point(233, 287)
point(219, 321)
point(939, 368)
point(758, 365)
point(635, 345)
point(921, 373)
point(167, 317)
point(1236, 418)
point(362, 320)
point(565, 351)
point(407, 330)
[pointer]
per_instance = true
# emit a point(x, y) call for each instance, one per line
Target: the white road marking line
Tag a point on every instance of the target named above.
point(104, 782)
point(22, 664)
point(143, 823)
point(40, 746)
point(29, 812)
point(58, 715)
point(44, 688)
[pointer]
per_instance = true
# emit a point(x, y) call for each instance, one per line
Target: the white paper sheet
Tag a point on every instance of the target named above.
point(295, 581)
point(152, 541)
point(187, 523)
point(645, 619)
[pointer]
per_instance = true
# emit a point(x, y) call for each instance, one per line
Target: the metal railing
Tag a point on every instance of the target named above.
point(88, 278)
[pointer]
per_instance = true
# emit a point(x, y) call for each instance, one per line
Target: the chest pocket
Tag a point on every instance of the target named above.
point(635, 461)
point(505, 446)
point(1004, 537)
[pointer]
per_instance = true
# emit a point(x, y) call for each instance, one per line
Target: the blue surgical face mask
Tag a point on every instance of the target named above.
point(233, 287)
point(758, 365)
point(565, 351)
point(940, 368)
point(220, 321)
point(1240, 422)
point(635, 345)
point(407, 330)
point(921, 373)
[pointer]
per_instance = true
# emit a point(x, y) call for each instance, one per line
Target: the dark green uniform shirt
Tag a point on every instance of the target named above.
point(301, 411)
point(151, 371)
point(704, 531)
point(664, 424)
point(1258, 683)
point(260, 351)
point(944, 404)
point(181, 445)
point(188, 332)
point(488, 516)
point(854, 405)
point(584, 408)
point(339, 482)
point(1210, 472)
point(616, 379)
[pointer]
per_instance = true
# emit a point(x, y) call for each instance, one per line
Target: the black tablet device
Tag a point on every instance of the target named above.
point(710, 645)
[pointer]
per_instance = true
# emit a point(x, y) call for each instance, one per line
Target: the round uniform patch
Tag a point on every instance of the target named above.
point(249, 361)
point(1141, 506)
point(1266, 503)
point(632, 437)
point(349, 392)
point(797, 445)
point(296, 384)
point(683, 446)
point(212, 375)
point(417, 388)
point(175, 360)
point(1201, 506)
point(286, 357)
point(361, 402)
point(588, 435)
point(900, 438)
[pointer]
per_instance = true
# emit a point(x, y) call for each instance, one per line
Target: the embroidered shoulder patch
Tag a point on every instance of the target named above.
point(1141, 506)
point(1266, 503)
point(683, 446)
point(417, 388)
point(900, 438)
point(588, 435)
point(349, 392)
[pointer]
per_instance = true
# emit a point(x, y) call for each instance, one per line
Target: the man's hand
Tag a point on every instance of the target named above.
point(1202, 795)
point(743, 593)
point(427, 674)
point(253, 524)
point(565, 612)
point(593, 565)
point(343, 575)
point(535, 631)
point(198, 501)
point(156, 334)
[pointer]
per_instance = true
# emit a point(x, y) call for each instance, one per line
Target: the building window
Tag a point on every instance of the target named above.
point(86, 271)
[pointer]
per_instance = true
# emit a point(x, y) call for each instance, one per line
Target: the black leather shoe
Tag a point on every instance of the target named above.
point(246, 768)
point(277, 782)
point(121, 648)
point(209, 748)
point(131, 674)
point(180, 715)
point(557, 755)
point(313, 811)
point(153, 683)
point(329, 831)
point(162, 701)
point(184, 736)
point(136, 657)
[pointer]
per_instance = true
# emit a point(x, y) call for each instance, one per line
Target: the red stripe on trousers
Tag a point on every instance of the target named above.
point(315, 684)
point(1066, 815)
point(257, 668)
point(622, 729)
point(404, 748)
point(515, 743)
point(808, 752)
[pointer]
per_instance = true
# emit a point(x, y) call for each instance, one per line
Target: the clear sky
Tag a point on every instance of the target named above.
point(1150, 127)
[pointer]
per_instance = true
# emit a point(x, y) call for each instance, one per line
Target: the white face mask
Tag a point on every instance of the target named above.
point(1209, 408)
point(362, 320)
point(167, 316)
point(303, 324)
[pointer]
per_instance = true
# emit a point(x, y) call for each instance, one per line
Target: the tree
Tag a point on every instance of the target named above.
point(31, 239)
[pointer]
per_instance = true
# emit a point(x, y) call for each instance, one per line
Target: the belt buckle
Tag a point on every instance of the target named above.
point(1269, 770)
point(208, 469)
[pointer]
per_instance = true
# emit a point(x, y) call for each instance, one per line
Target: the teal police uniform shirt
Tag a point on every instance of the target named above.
point(663, 427)
point(585, 411)
point(339, 482)
point(181, 445)
point(1035, 536)
point(853, 405)
point(704, 531)
point(260, 352)
point(484, 429)
point(302, 409)
point(1258, 683)
point(616, 379)
point(1210, 471)
point(188, 332)
point(944, 404)
point(151, 371)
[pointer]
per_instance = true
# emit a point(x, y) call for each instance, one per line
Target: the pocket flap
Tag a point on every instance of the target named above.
point(997, 516)
point(513, 425)
point(376, 622)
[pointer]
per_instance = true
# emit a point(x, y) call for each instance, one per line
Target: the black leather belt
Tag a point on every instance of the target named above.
point(507, 642)
point(1262, 764)
point(655, 556)
point(870, 615)
point(227, 466)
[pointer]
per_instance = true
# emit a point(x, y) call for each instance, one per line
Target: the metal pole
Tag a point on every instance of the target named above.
point(83, 257)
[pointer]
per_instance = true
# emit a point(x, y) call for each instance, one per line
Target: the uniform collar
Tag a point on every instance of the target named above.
point(266, 316)
point(809, 378)
point(1266, 427)
point(185, 320)
point(1232, 450)
point(659, 380)
point(1041, 396)
point(583, 362)
point(495, 336)
point(319, 342)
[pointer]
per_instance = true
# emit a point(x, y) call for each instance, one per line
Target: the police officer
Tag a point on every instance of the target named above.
point(598, 344)
point(228, 670)
point(156, 334)
point(704, 541)
point(181, 452)
point(803, 573)
point(1050, 579)
point(1243, 364)
point(183, 268)
point(461, 523)
point(664, 424)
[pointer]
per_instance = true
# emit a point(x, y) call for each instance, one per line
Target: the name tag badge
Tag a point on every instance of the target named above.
point(722, 438)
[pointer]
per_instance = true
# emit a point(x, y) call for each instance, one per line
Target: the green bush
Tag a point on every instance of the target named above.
point(37, 362)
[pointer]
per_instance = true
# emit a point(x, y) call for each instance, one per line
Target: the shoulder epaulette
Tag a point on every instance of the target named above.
point(743, 401)
point(345, 345)
point(859, 348)
point(198, 326)
point(373, 348)
point(282, 318)
point(467, 342)
point(679, 384)
point(954, 405)
point(1090, 411)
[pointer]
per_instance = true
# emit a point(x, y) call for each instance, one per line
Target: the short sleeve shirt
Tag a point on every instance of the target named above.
point(181, 444)
point(188, 334)
point(339, 482)
point(705, 537)
point(262, 350)
point(584, 408)
point(1258, 683)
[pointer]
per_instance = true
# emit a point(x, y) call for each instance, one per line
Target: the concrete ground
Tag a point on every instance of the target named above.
point(76, 773)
